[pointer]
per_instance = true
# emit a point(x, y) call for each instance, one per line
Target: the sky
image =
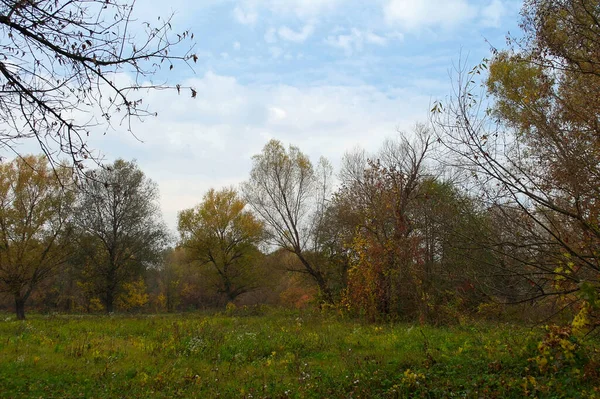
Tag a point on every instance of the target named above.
point(327, 76)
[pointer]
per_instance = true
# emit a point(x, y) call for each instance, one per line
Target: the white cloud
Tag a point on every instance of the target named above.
point(413, 14)
point(245, 16)
point(492, 14)
point(195, 144)
point(373, 38)
point(276, 114)
point(271, 35)
point(275, 52)
point(355, 40)
point(300, 8)
point(298, 37)
point(237, 46)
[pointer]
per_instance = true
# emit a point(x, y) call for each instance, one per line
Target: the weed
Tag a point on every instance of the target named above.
point(281, 354)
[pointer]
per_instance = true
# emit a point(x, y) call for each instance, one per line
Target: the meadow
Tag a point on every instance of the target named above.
point(264, 353)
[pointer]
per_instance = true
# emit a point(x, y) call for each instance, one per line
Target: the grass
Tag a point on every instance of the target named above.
point(279, 354)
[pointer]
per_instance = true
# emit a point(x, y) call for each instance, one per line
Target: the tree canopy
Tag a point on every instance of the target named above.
point(533, 154)
point(121, 228)
point(288, 195)
point(221, 233)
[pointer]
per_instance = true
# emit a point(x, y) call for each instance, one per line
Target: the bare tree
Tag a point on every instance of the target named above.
point(69, 66)
point(288, 195)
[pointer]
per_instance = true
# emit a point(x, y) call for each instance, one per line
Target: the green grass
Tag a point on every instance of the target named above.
point(277, 355)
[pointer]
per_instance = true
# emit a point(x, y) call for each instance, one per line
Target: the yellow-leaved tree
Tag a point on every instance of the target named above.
point(35, 206)
point(223, 237)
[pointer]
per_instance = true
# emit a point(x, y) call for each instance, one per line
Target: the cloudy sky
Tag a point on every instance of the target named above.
point(324, 75)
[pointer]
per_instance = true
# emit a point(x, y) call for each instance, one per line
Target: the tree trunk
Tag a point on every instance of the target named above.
point(111, 288)
point(109, 303)
point(169, 298)
point(20, 307)
point(326, 293)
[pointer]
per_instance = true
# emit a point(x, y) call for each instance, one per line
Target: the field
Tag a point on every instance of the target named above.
point(284, 354)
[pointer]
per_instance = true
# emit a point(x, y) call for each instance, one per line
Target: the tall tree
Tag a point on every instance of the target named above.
point(221, 233)
point(34, 225)
point(535, 153)
point(62, 58)
point(289, 196)
point(380, 196)
point(122, 231)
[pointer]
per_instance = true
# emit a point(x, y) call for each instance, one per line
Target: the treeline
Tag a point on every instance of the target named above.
point(391, 240)
point(494, 201)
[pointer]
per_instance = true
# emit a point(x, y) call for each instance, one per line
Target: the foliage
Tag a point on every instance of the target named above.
point(133, 296)
point(121, 231)
point(406, 235)
point(169, 276)
point(533, 155)
point(62, 58)
point(219, 232)
point(34, 225)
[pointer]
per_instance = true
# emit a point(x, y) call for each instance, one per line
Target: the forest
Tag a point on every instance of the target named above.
point(487, 214)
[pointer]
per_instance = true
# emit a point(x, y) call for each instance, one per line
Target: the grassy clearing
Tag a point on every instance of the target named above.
point(281, 355)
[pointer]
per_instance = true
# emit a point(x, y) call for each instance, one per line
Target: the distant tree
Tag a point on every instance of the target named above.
point(134, 295)
point(168, 277)
point(455, 262)
point(380, 197)
point(34, 225)
point(222, 234)
point(63, 61)
point(289, 196)
point(121, 228)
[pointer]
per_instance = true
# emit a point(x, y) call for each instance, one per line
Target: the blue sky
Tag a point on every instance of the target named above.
point(325, 75)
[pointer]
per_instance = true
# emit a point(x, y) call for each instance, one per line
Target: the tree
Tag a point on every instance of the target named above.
point(71, 65)
point(289, 197)
point(221, 233)
point(168, 278)
point(534, 154)
point(121, 229)
point(34, 225)
point(454, 263)
point(385, 277)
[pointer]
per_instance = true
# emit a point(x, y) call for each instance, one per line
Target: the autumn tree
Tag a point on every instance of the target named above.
point(385, 274)
point(222, 234)
point(69, 67)
point(34, 225)
point(289, 195)
point(408, 234)
point(168, 278)
point(533, 154)
point(121, 228)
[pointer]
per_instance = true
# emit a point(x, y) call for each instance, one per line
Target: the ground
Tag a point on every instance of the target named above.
point(263, 353)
